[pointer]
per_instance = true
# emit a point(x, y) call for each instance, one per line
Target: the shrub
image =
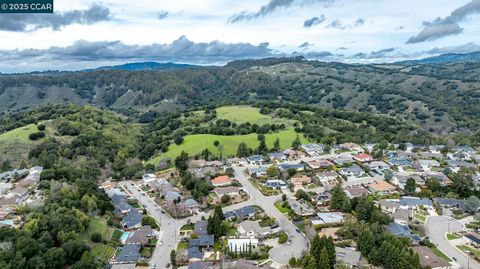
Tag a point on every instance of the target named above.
point(96, 237)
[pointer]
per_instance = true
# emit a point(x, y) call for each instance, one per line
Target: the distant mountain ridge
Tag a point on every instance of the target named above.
point(144, 66)
point(446, 58)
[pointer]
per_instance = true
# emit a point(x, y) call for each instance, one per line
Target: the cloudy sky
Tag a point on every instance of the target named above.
point(84, 34)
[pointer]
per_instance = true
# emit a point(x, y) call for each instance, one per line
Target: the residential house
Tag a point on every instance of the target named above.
point(322, 198)
point(351, 147)
point(197, 163)
point(319, 164)
point(252, 229)
point(330, 217)
point(436, 148)
point(221, 181)
point(129, 253)
point(363, 157)
point(428, 259)
point(450, 203)
point(123, 265)
point(171, 195)
point(352, 171)
point(398, 229)
point(378, 165)
point(294, 166)
point(230, 191)
point(255, 159)
point(106, 185)
point(141, 236)
point(348, 256)
point(20, 193)
point(189, 205)
point(132, 220)
point(426, 165)
point(343, 160)
point(300, 181)
point(14, 174)
point(401, 162)
point(313, 149)
point(301, 208)
point(242, 244)
point(277, 156)
point(243, 213)
point(276, 183)
point(327, 176)
point(381, 187)
point(401, 180)
point(472, 239)
point(401, 216)
point(258, 171)
point(456, 165)
point(355, 191)
point(148, 178)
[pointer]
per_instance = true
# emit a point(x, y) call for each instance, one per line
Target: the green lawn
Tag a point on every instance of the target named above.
point(440, 254)
point(99, 250)
point(20, 134)
point(181, 246)
point(452, 236)
point(278, 205)
point(243, 114)
point(195, 144)
point(466, 248)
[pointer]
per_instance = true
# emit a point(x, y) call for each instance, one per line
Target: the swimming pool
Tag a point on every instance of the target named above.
point(8, 222)
point(124, 237)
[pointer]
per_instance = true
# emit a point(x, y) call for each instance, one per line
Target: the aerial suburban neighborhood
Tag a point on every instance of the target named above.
point(265, 212)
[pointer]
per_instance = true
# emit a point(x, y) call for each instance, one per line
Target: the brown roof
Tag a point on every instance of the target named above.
point(140, 236)
point(381, 185)
point(221, 180)
point(300, 180)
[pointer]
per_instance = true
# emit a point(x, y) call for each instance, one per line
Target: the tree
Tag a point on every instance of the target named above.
point(434, 185)
point(410, 186)
point(324, 262)
point(301, 194)
point(262, 147)
point(6, 166)
point(273, 171)
point(284, 197)
point(366, 241)
point(216, 143)
point(41, 127)
point(225, 199)
point(388, 174)
point(181, 161)
point(243, 150)
point(472, 204)
point(339, 200)
point(282, 237)
point(55, 258)
point(96, 237)
point(296, 143)
point(147, 220)
point(309, 263)
point(215, 225)
point(276, 144)
point(462, 183)
point(173, 258)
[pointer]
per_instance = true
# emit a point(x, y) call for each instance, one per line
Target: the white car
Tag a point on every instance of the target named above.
point(289, 242)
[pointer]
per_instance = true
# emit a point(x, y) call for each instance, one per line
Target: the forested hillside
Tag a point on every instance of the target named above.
point(440, 98)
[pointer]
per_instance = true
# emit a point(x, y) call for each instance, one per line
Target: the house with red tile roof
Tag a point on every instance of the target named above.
point(221, 181)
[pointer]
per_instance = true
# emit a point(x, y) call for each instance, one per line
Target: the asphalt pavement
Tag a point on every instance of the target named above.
point(436, 229)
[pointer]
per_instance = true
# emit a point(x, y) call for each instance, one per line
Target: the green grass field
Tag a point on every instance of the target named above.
point(20, 134)
point(243, 114)
point(280, 208)
point(194, 144)
point(99, 250)
point(453, 236)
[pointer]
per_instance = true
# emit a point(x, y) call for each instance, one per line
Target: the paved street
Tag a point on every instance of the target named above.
point(281, 253)
point(436, 228)
point(170, 227)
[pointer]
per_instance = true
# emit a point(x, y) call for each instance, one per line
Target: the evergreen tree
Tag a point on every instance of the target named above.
point(243, 150)
point(262, 147)
point(324, 262)
point(366, 241)
point(410, 186)
point(339, 200)
point(296, 143)
point(276, 144)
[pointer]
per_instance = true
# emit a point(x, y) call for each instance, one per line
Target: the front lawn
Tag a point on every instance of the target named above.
point(453, 236)
point(440, 254)
point(279, 206)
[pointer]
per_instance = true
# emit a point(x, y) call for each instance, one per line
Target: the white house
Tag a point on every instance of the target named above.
point(242, 244)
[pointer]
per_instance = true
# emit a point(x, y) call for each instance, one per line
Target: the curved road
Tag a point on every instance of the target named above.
point(436, 227)
point(281, 253)
point(170, 227)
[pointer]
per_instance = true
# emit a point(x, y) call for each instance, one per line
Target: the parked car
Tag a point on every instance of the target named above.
point(289, 242)
point(153, 266)
point(168, 265)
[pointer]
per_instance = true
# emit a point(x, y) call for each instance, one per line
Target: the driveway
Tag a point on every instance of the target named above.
point(436, 227)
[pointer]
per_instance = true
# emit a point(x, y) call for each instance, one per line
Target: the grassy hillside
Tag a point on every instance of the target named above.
point(244, 114)
point(194, 144)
